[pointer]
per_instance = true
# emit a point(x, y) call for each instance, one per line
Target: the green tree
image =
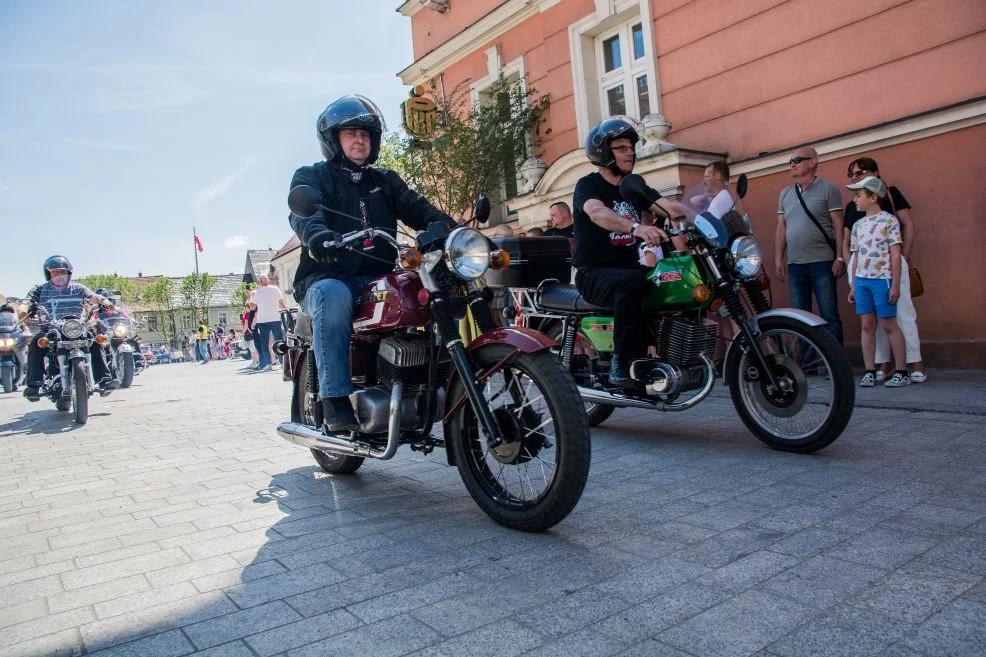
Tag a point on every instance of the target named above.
point(239, 296)
point(478, 147)
point(194, 292)
point(129, 291)
point(160, 297)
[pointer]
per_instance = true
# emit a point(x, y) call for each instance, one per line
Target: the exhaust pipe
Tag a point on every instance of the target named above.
point(306, 436)
point(618, 400)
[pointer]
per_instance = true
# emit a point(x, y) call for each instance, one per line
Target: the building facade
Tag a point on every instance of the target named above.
point(896, 80)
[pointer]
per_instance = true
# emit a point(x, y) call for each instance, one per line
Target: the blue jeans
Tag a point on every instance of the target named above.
point(330, 303)
point(202, 350)
point(803, 280)
point(262, 342)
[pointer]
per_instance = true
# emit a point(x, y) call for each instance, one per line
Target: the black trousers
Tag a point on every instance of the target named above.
point(35, 362)
point(624, 290)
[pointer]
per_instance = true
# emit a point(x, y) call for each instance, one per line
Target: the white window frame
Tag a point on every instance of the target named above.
point(629, 71)
point(587, 64)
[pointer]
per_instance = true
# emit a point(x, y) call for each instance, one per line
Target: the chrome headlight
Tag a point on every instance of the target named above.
point(7, 342)
point(120, 330)
point(468, 253)
point(73, 329)
point(744, 254)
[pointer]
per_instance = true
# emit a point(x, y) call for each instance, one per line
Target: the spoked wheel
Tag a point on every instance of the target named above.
point(535, 477)
point(80, 392)
point(584, 350)
point(310, 414)
point(814, 398)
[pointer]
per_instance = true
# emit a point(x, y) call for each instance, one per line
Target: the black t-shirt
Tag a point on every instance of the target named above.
point(899, 203)
point(568, 231)
point(594, 245)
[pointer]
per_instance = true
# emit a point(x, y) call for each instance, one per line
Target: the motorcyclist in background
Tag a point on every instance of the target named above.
point(61, 297)
point(329, 283)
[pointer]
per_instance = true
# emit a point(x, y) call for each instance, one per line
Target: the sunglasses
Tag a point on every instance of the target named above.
point(623, 149)
point(856, 174)
point(799, 159)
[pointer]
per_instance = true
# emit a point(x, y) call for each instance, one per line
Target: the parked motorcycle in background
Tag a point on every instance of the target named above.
point(790, 381)
point(513, 421)
point(122, 332)
point(13, 348)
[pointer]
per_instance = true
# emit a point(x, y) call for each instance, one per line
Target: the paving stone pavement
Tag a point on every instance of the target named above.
point(177, 523)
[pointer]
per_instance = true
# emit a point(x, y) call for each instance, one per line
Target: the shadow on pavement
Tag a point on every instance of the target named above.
point(48, 421)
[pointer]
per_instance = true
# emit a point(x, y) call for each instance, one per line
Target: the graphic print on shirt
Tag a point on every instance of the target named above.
point(872, 237)
point(627, 211)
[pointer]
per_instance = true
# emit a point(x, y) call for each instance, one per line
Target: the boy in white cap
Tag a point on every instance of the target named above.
point(875, 279)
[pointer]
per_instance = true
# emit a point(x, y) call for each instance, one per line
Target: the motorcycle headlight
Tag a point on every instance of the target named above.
point(120, 330)
point(744, 254)
point(468, 253)
point(73, 329)
point(7, 342)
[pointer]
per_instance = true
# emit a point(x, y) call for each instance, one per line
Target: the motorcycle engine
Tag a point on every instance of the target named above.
point(681, 343)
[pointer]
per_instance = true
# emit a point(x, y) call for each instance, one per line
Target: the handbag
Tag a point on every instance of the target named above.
point(913, 274)
point(828, 240)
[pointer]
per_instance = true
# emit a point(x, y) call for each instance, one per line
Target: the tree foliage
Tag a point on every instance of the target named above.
point(129, 291)
point(160, 297)
point(194, 292)
point(475, 149)
point(239, 297)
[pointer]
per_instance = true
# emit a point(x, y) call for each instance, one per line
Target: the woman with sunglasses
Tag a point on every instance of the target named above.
point(894, 203)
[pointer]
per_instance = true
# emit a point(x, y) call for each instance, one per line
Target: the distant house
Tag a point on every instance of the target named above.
point(285, 264)
point(258, 262)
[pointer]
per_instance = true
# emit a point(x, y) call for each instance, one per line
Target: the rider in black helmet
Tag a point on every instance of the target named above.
point(60, 297)
point(606, 232)
point(328, 283)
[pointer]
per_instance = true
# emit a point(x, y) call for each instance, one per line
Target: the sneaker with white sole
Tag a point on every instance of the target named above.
point(898, 380)
point(918, 377)
point(881, 376)
point(867, 380)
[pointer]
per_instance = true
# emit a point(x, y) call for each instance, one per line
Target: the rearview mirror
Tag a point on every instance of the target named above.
point(637, 192)
point(304, 200)
point(481, 212)
point(741, 185)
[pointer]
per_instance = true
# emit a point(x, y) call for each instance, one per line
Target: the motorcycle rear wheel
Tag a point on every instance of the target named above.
point(126, 369)
point(310, 414)
point(536, 477)
point(597, 413)
point(80, 392)
point(816, 407)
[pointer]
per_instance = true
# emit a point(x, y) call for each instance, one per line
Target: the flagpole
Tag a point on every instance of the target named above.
point(195, 250)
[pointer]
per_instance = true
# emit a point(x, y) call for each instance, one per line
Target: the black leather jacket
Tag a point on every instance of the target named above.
point(385, 198)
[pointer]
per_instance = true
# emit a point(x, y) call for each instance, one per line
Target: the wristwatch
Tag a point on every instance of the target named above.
point(840, 259)
point(634, 225)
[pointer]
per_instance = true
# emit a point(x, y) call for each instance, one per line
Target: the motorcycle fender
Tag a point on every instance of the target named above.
point(523, 340)
point(803, 316)
point(75, 354)
point(125, 348)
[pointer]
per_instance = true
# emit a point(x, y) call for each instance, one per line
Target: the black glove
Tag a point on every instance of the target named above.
point(638, 193)
point(316, 246)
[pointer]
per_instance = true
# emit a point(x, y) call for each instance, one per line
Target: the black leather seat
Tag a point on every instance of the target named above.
point(563, 297)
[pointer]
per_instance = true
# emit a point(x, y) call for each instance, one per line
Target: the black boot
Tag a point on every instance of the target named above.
point(337, 415)
point(32, 392)
point(107, 385)
point(619, 374)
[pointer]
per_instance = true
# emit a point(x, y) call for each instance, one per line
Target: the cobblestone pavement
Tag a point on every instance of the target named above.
point(177, 523)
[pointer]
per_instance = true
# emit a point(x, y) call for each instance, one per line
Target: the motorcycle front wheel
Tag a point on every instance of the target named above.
point(816, 392)
point(80, 392)
point(309, 413)
point(535, 477)
point(126, 369)
point(8, 378)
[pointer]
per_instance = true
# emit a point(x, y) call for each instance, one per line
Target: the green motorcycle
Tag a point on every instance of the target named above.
point(789, 379)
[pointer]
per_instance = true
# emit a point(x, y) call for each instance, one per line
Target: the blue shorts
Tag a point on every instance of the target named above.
point(873, 296)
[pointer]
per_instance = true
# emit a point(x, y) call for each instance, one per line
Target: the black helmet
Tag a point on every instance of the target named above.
point(598, 140)
point(352, 111)
point(56, 262)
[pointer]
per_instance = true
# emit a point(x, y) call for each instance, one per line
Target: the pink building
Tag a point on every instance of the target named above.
point(901, 81)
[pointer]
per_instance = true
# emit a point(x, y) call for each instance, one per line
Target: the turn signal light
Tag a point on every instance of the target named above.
point(410, 258)
point(43, 342)
point(499, 259)
point(701, 293)
point(100, 339)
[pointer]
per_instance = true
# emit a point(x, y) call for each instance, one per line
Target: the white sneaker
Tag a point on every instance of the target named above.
point(918, 377)
point(866, 381)
point(881, 376)
point(898, 380)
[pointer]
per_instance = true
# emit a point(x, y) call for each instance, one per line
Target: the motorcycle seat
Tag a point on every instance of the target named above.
point(303, 325)
point(564, 297)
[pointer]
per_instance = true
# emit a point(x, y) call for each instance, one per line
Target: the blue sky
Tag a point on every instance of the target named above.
point(123, 124)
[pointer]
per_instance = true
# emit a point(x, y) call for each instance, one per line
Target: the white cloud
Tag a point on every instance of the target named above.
point(235, 242)
point(209, 194)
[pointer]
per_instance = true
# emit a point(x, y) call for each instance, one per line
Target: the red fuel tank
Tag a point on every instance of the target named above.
point(389, 302)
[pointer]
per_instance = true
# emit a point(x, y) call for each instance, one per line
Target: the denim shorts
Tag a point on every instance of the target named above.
point(873, 295)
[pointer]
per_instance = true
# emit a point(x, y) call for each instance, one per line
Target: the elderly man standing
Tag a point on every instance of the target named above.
point(561, 221)
point(809, 216)
point(269, 301)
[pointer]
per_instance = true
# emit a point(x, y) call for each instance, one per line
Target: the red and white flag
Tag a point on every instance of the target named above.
point(198, 243)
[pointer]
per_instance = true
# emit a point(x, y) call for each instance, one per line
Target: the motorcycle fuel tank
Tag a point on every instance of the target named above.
point(671, 283)
point(391, 301)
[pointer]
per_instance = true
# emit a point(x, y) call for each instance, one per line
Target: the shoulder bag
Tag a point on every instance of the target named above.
point(828, 240)
point(913, 275)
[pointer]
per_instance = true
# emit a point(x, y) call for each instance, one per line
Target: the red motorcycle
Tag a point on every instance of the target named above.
point(513, 422)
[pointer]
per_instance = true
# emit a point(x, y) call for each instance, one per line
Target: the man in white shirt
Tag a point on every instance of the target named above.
point(716, 181)
point(269, 301)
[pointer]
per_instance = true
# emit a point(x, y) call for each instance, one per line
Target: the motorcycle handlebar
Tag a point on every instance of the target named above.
point(370, 233)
